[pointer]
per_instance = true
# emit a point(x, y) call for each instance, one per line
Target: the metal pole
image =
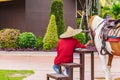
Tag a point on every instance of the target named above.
point(85, 20)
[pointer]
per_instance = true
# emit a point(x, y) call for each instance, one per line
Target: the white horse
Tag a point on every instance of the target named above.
point(96, 24)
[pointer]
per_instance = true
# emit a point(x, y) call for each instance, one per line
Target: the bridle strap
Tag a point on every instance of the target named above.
point(92, 32)
point(100, 24)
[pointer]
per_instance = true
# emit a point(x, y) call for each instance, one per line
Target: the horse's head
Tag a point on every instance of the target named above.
point(94, 22)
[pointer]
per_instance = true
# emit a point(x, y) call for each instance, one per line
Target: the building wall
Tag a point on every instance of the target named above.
point(33, 15)
point(37, 15)
point(70, 13)
point(12, 14)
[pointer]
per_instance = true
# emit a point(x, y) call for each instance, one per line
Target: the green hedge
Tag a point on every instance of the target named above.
point(26, 40)
point(81, 37)
point(8, 38)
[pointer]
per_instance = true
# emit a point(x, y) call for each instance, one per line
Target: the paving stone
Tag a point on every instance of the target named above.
point(42, 62)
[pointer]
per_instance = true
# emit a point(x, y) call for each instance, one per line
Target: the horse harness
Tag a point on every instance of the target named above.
point(110, 29)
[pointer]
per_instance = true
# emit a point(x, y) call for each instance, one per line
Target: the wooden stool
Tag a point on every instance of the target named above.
point(57, 76)
point(71, 66)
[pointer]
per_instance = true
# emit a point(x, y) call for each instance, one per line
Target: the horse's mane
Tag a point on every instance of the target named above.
point(94, 19)
point(91, 19)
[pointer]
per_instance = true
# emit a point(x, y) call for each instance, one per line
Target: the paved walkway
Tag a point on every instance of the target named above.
point(41, 63)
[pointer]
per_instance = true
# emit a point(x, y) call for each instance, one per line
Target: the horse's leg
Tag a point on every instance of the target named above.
point(110, 58)
point(105, 67)
point(102, 57)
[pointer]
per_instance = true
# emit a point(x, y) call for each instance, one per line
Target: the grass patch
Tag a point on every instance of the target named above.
point(15, 74)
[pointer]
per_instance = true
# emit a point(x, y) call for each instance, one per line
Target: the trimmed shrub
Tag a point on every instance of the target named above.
point(51, 36)
point(47, 46)
point(26, 40)
point(8, 38)
point(39, 43)
point(57, 10)
point(78, 22)
point(81, 37)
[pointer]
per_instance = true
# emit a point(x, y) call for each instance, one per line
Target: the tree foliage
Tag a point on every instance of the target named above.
point(112, 10)
point(51, 37)
point(57, 10)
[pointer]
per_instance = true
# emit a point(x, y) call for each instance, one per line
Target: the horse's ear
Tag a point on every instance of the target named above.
point(89, 18)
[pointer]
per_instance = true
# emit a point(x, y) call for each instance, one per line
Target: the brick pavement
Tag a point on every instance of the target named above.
point(41, 63)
